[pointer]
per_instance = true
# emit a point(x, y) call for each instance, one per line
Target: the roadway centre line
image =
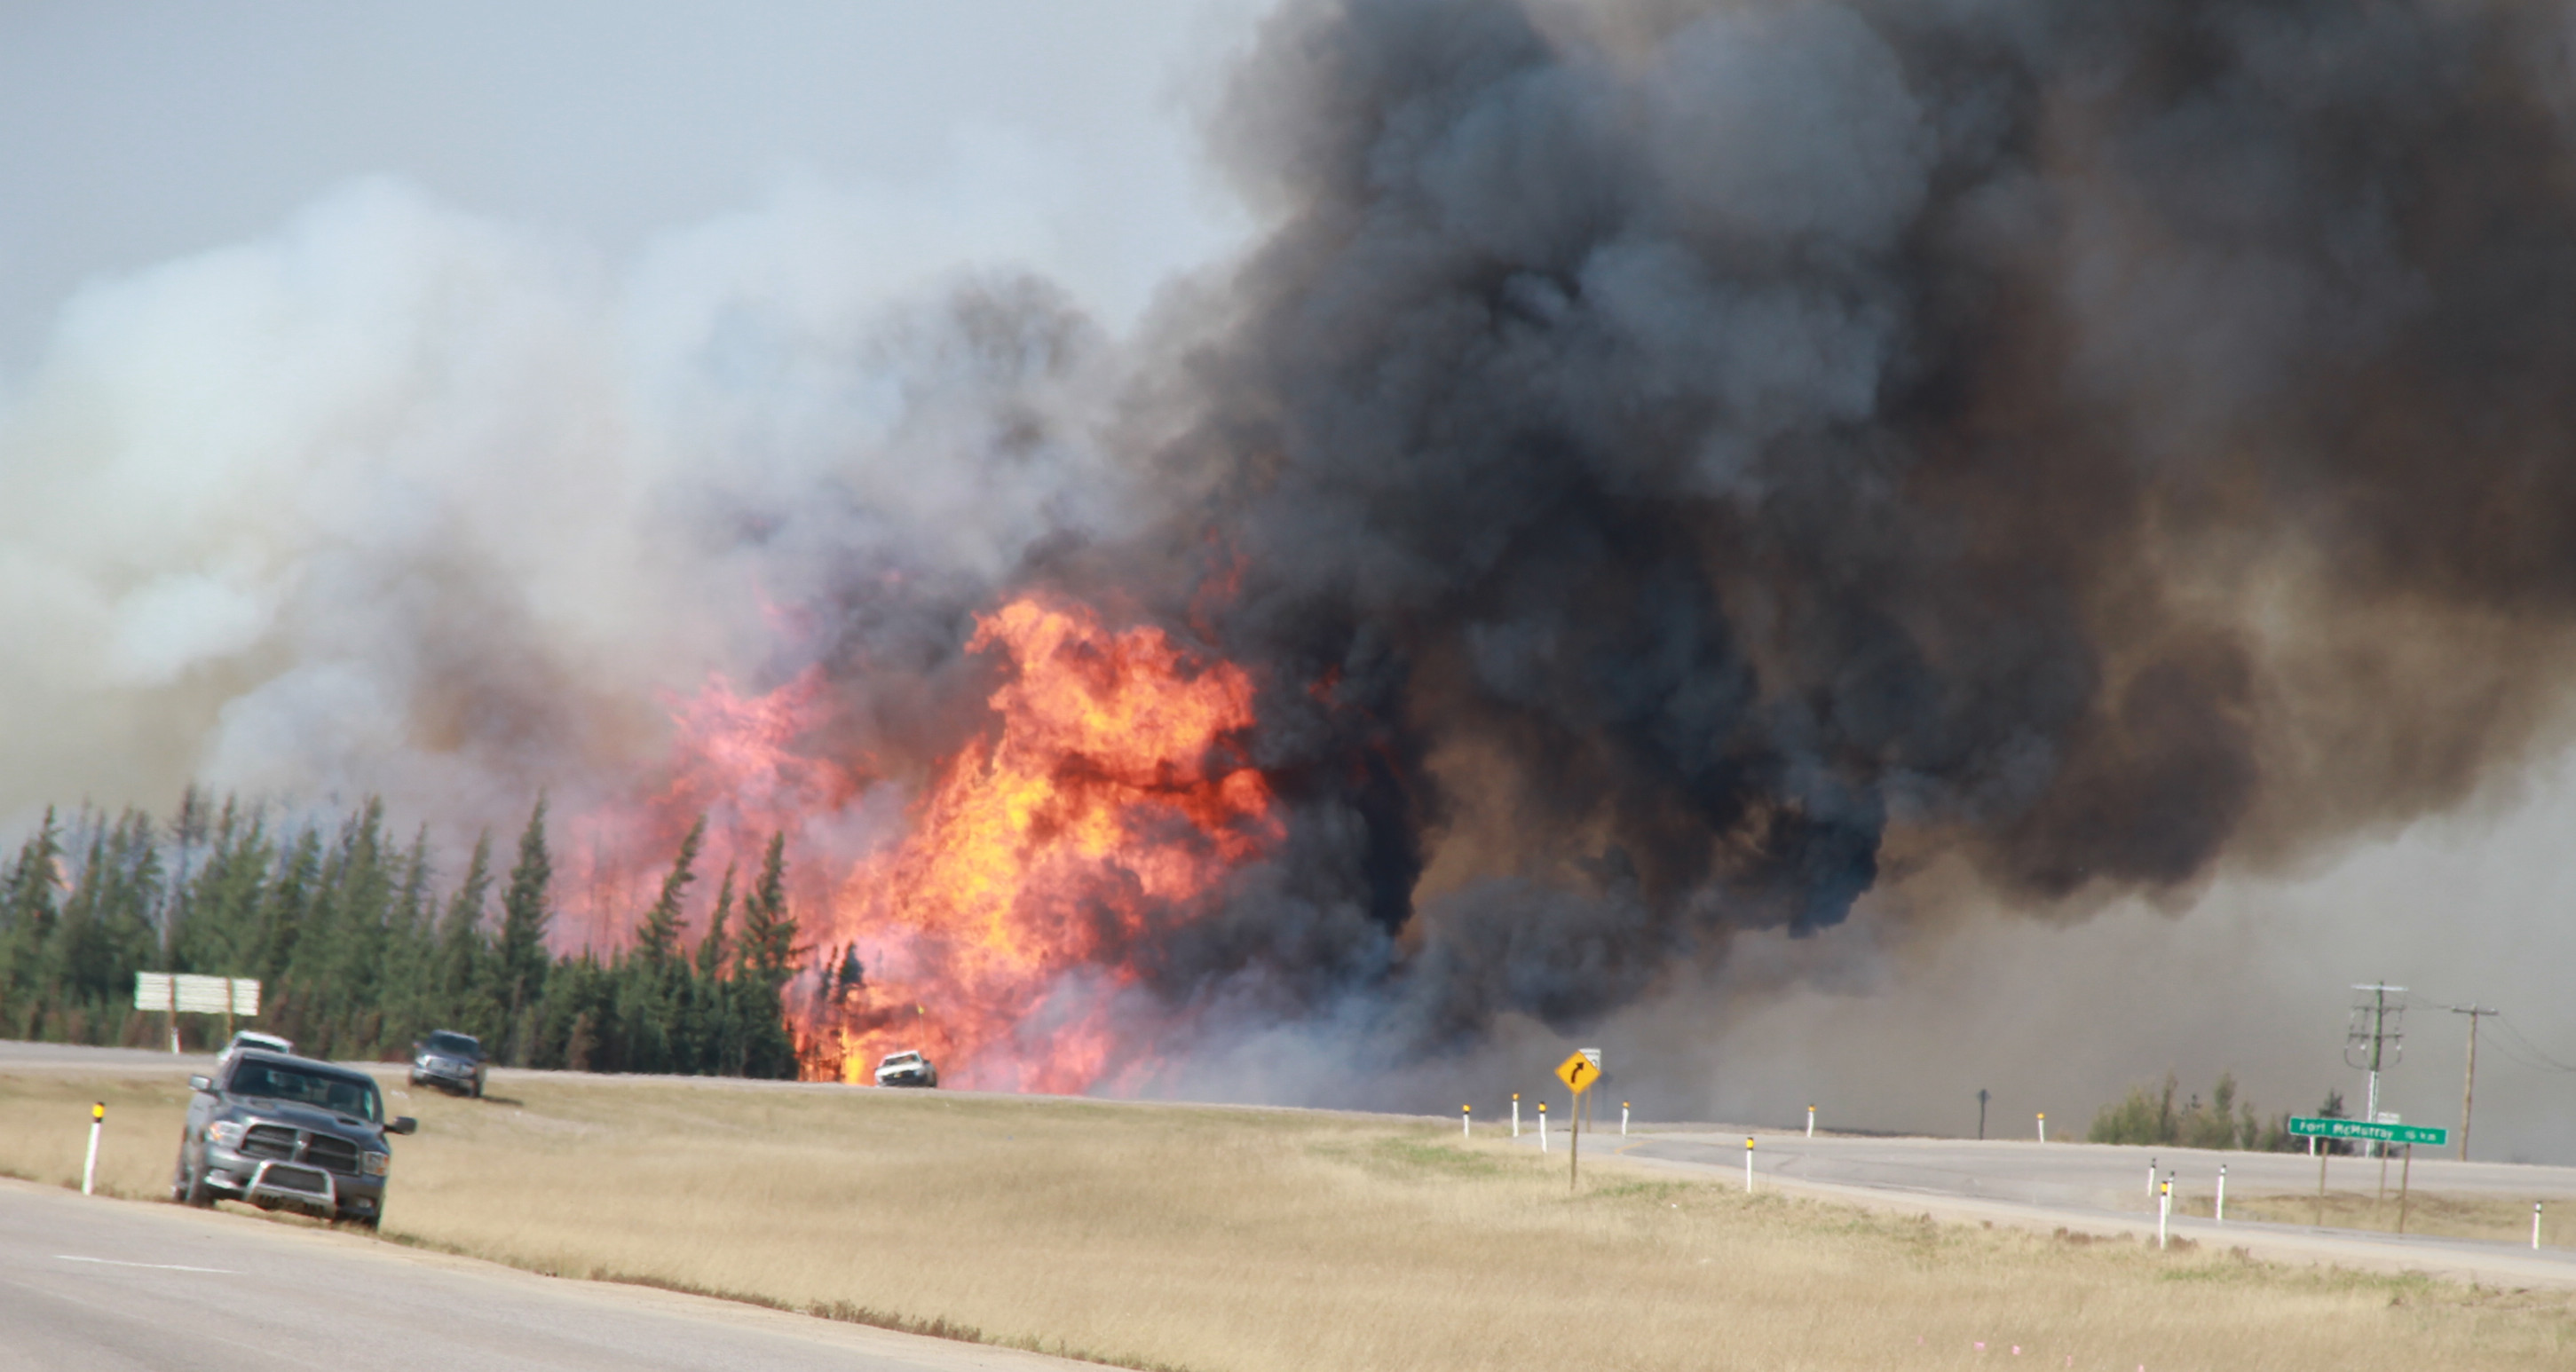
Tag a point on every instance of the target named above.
point(156, 1266)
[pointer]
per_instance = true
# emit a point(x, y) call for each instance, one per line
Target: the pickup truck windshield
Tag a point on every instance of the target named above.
point(347, 1095)
point(454, 1045)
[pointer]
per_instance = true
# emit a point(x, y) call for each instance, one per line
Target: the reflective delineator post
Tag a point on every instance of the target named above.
point(1516, 1114)
point(2043, 1126)
point(1623, 1119)
point(89, 1169)
point(1542, 1126)
point(2151, 1176)
point(2535, 1226)
point(1748, 1164)
point(1467, 1121)
point(2221, 1214)
point(1811, 1121)
point(2164, 1208)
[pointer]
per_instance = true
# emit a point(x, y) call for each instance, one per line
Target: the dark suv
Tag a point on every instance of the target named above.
point(449, 1061)
point(287, 1133)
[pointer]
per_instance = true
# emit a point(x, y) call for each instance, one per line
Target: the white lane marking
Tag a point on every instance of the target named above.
point(156, 1266)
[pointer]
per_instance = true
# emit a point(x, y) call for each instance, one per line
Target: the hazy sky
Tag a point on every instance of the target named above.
point(144, 131)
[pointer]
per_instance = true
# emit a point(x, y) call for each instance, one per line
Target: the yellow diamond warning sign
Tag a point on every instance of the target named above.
point(1578, 1072)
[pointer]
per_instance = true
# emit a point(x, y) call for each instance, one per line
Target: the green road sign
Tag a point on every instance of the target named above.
point(2363, 1129)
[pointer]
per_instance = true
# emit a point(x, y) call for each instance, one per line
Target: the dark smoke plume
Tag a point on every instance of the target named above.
point(1679, 463)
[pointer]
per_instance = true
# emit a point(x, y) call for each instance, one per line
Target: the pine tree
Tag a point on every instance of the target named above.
point(524, 917)
point(659, 939)
point(764, 961)
point(28, 913)
point(711, 949)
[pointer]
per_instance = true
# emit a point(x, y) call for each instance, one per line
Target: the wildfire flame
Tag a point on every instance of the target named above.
point(1107, 803)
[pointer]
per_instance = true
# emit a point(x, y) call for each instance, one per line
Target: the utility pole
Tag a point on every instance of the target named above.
point(1981, 1113)
point(2380, 1046)
point(2469, 1084)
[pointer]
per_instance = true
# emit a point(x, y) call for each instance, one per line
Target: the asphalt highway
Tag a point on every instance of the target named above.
point(103, 1285)
point(2104, 1190)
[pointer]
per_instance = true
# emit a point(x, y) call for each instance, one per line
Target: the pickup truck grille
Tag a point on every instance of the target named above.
point(339, 1155)
point(277, 1141)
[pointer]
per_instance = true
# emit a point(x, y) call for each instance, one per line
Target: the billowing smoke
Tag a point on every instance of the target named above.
point(1671, 469)
point(404, 502)
point(1690, 462)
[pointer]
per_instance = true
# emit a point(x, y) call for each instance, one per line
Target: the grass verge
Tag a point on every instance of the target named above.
point(2498, 1219)
point(1172, 1237)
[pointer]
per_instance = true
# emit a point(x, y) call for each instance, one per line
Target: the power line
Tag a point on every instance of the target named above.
point(2552, 1064)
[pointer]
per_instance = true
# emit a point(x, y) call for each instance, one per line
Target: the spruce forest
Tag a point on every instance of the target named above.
point(361, 947)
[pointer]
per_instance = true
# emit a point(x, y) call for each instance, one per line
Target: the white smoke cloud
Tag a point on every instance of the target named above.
point(400, 500)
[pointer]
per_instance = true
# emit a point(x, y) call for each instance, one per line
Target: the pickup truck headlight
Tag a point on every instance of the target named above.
point(227, 1132)
point(374, 1164)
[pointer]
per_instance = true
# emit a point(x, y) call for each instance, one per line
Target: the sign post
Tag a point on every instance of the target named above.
point(2404, 1172)
point(1578, 1072)
point(2376, 1131)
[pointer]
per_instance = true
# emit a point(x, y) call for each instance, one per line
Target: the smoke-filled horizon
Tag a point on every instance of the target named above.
point(1673, 473)
point(1716, 455)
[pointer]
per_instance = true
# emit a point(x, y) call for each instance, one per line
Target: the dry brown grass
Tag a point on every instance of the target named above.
point(1230, 1239)
point(2500, 1219)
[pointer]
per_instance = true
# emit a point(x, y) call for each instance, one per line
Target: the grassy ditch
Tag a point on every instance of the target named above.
point(1207, 1239)
point(2499, 1219)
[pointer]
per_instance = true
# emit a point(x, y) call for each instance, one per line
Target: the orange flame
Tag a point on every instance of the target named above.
point(1107, 805)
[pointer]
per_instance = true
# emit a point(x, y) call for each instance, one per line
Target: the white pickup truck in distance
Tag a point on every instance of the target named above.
point(906, 1069)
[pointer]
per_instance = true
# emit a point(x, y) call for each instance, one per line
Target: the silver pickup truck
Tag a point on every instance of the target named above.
point(287, 1133)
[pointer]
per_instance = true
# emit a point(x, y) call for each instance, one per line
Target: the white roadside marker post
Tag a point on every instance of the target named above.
point(1811, 1121)
point(2535, 1226)
point(1748, 1164)
point(2151, 1176)
point(1516, 1114)
point(1467, 1121)
point(89, 1169)
point(2164, 1208)
point(2043, 1126)
point(1542, 1126)
point(2221, 1215)
point(1623, 1119)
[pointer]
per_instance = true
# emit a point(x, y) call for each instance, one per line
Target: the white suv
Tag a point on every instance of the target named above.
point(906, 1069)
